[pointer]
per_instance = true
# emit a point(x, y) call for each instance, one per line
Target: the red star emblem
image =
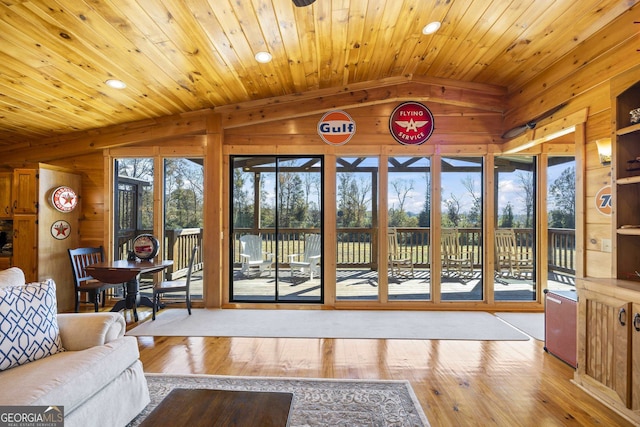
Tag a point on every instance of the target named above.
point(68, 199)
point(61, 229)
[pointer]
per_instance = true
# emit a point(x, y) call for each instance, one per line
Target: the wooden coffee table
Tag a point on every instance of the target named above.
point(203, 407)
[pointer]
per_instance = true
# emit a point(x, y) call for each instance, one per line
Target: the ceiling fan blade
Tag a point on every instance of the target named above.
point(549, 113)
point(519, 130)
point(302, 3)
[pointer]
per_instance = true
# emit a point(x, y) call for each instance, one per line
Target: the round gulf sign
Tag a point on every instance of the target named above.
point(411, 123)
point(336, 127)
point(603, 200)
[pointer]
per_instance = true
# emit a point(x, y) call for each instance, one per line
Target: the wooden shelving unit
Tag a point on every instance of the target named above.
point(629, 129)
point(626, 189)
point(609, 309)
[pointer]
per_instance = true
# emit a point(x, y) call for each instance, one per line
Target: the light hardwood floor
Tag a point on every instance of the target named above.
point(458, 383)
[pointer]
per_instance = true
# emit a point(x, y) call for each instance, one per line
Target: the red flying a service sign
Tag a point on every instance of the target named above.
point(411, 123)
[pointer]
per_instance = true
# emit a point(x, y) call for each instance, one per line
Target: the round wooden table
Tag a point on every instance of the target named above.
point(122, 271)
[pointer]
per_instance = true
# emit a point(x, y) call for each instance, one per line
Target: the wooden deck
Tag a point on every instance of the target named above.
point(358, 284)
point(354, 284)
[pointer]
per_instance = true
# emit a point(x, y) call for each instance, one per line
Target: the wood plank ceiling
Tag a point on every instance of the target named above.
point(177, 56)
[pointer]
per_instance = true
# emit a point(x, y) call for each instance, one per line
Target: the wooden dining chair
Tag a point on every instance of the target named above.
point(85, 283)
point(174, 286)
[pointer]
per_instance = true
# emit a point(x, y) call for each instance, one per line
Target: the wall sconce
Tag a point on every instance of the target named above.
point(604, 150)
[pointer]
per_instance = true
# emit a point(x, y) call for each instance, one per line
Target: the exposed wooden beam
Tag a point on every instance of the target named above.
point(481, 97)
point(80, 143)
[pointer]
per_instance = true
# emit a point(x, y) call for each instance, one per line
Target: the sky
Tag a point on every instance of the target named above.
point(510, 187)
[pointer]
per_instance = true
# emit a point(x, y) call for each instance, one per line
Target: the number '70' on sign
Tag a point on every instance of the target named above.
point(603, 200)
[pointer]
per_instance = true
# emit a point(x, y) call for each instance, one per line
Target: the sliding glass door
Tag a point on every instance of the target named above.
point(276, 236)
point(515, 233)
point(357, 233)
point(561, 226)
point(184, 220)
point(409, 216)
point(133, 201)
point(461, 234)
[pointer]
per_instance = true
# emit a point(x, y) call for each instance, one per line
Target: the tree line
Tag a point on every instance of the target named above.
point(298, 201)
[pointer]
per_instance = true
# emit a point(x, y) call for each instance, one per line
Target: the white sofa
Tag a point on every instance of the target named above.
point(96, 377)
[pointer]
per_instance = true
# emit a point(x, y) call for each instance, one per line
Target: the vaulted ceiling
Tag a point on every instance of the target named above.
point(177, 56)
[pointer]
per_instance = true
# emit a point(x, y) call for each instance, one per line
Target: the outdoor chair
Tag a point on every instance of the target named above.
point(253, 257)
point(83, 282)
point(308, 262)
point(456, 262)
point(511, 260)
point(400, 260)
point(175, 286)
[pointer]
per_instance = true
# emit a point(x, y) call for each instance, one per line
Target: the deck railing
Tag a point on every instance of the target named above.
point(562, 250)
point(178, 246)
point(357, 247)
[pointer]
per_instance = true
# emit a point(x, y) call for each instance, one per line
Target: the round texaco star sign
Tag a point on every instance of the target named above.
point(64, 199)
point(60, 230)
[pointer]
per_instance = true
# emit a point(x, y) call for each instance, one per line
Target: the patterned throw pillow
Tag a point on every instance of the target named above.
point(28, 323)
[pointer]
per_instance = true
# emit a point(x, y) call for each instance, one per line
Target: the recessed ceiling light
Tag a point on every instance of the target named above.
point(116, 84)
point(263, 57)
point(431, 27)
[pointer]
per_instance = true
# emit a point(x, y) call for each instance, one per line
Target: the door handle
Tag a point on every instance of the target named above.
point(622, 316)
point(636, 322)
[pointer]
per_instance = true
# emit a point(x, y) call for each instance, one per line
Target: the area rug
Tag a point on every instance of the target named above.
point(316, 402)
point(531, 324)
point(359, 324)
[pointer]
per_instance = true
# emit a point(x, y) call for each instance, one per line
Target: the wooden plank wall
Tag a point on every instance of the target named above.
point(454, 125)
point(92, 197)
point(598, 227)
point(53, 258)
